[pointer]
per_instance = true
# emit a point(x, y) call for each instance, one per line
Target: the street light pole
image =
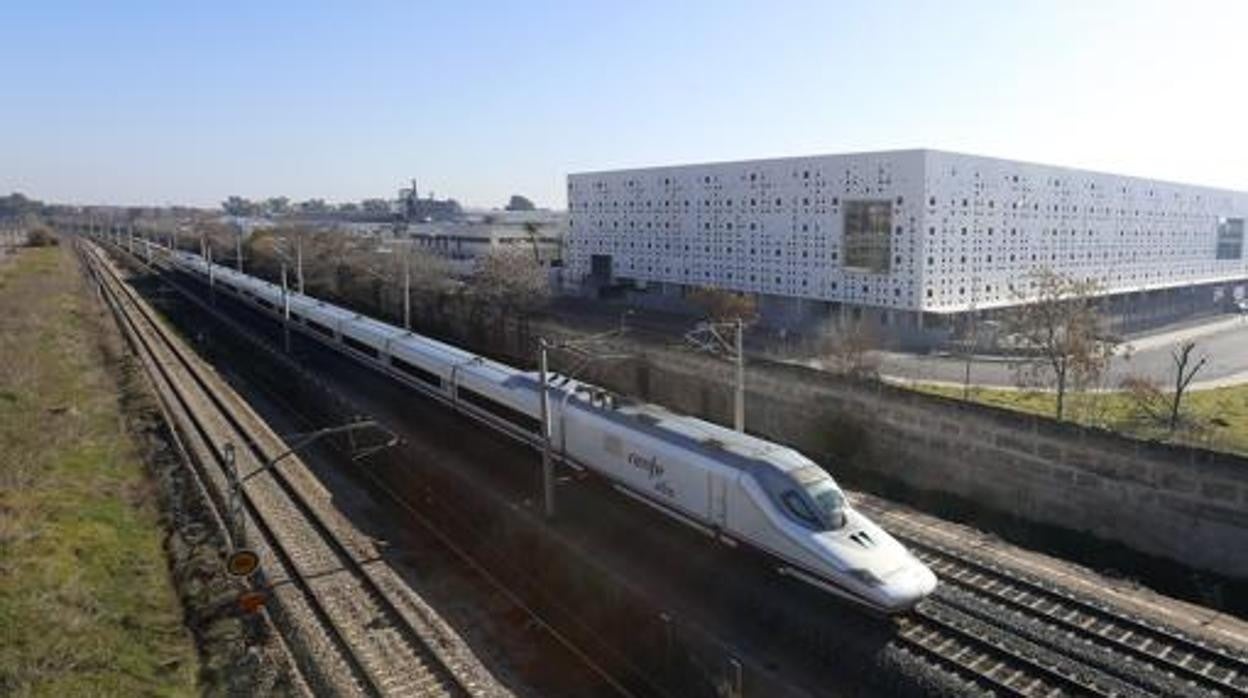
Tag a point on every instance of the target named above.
point(236, 480)
point(238, 249)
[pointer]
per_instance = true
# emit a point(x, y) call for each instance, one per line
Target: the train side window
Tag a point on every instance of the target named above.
point(359, 346)
point(798, 507)
point(416, 371)
point(319, 328)
point(499, 410)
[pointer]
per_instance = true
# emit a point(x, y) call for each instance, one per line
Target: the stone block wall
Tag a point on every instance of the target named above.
point(1184, 504)
point(1180, 503)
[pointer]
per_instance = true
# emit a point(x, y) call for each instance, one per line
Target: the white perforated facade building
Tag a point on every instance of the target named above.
point(917, 231)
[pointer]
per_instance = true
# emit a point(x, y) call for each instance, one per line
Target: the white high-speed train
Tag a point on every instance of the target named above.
point(734, 487)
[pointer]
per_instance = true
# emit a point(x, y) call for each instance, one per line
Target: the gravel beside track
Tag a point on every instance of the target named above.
point(356, 628)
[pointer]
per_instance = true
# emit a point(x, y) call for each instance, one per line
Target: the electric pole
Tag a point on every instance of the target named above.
point(548, 463)
point(707, 337)
point(739, 412)
point(299, 260)
point(285, 310)
point(407, 288)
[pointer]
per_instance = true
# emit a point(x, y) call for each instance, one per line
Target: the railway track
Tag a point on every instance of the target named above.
point(375, 637)
point(1012, 634)
point(1099, 644)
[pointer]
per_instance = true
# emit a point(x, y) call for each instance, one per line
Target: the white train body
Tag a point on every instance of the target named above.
point(737, 488)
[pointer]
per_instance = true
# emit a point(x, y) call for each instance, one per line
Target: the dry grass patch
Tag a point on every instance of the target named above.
point(86, 602)
point(1216, 419)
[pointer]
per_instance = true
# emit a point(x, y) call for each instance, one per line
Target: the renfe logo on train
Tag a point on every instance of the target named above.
point(649, 465)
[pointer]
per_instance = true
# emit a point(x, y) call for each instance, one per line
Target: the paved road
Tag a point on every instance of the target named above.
point(1224, 340)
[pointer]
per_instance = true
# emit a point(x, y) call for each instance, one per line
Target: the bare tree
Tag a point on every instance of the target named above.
point(852, 350)
point(1147, 399)
point(1184, 372)
point(411, 269)
point(220, 237)
point(724, 306)
point(970, 339)
point(40, 235)
point(510, 280)
point(1058, 322)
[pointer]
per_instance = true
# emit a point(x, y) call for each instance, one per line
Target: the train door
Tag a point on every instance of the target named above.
point(719, 500)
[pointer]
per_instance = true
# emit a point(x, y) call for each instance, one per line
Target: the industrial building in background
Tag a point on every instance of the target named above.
point(913, 241)
point(413, 209)
point(462, 242)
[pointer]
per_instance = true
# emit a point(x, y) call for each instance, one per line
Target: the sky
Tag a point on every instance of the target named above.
point(188, 103)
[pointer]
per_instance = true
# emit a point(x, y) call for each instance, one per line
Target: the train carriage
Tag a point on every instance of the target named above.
point(735, 487)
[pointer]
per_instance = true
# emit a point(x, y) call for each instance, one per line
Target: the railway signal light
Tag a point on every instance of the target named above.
point(252, 601)
point(242, 563)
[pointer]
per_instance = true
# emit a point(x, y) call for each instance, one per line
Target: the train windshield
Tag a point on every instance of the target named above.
point(828, 501)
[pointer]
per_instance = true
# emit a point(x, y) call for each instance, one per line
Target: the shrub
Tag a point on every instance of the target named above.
point(41, 236)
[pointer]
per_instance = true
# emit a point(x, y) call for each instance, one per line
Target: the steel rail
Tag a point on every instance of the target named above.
point(398, 499)
point(246, 435)
point(1217, 669)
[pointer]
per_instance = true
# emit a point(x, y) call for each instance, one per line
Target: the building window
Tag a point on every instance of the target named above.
point(867, 239)
point(1230, 238)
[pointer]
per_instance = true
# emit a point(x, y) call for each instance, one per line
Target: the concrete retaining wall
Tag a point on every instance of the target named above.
point(1184, 504)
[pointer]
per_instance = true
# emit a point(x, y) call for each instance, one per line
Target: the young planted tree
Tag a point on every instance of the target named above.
point(1058, 322)
point(720, 305)
point(1184, 372)
point(852, 350)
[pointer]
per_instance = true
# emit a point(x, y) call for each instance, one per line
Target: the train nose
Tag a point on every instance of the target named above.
point(908, 587)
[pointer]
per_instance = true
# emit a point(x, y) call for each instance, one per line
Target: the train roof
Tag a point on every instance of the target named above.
point(712, 437)
point(727, 446)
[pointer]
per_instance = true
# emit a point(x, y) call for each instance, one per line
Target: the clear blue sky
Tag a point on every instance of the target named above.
point(170, 102)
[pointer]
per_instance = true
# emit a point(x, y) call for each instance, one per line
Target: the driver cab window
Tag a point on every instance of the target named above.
point(797, 507)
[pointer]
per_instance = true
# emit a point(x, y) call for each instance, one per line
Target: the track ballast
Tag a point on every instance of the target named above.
point(375, 637)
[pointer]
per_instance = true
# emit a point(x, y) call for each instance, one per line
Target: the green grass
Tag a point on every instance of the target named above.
point(86, 602)
point(1215, 418)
